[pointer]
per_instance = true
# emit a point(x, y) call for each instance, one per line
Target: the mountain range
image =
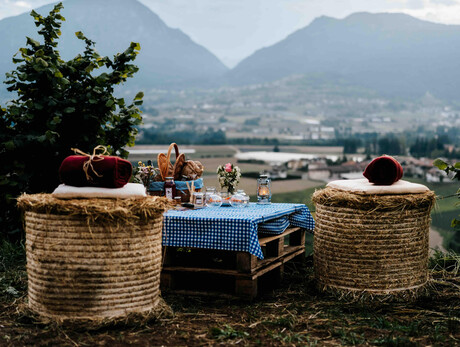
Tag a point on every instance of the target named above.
point(168, 57)
point(393, 54)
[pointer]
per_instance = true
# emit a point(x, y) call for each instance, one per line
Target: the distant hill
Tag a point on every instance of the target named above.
point(394, 54)
point(168, 57)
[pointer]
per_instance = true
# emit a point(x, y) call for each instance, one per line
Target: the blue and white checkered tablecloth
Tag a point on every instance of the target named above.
point(274, 226)
point(231, 228)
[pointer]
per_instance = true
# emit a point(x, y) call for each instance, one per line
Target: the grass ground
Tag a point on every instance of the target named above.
point(295, 314)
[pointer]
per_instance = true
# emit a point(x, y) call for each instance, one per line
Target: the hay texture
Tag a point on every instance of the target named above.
point(371, 244)
point(93, 259)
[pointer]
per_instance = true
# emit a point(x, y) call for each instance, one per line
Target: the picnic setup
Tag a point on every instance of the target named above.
point(154, 195)
point(101, 247)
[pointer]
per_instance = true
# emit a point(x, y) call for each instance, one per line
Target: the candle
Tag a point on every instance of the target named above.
point(263, 191)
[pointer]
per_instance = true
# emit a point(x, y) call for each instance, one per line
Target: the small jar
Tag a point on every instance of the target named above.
point(198, 198)
point(240, 199)
point(209, 191)
point(226, 196)
point(177, 200)
point(244, 195)
point(214, 200)
point(170, 188)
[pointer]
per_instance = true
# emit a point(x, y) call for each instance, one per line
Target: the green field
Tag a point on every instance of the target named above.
point(302, 196)
point(445, 210)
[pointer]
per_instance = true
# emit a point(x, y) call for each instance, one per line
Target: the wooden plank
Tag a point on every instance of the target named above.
point(265, 239)
point(275, 248)
point(202, 293)
point(245, 262)
point(246, 284)
point(287, 250)
point(278, 263)
point(246, 288)
point(225, 272)
point(297, 238)
point(168, 255)
point(276, 275)
point(293, 255)
point(268, 268)
point(242, 261)
point(215, 294)
point(242, 268)
point(200, 257)
point(166, 281)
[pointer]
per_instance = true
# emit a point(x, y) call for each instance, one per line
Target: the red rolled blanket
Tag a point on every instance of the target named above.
point(96, 170)
point(384, 170)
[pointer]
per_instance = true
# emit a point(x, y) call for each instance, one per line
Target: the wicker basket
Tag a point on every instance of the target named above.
point(372, 244)
point(93, 258)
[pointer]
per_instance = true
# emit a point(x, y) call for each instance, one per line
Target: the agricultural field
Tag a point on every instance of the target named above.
point(225, 152)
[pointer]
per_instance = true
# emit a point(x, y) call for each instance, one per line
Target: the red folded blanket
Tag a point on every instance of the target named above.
point(384, 170)
point(101, 171)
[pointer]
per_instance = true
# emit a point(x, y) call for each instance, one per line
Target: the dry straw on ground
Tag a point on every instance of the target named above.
point(93, 259)
point(372, 245)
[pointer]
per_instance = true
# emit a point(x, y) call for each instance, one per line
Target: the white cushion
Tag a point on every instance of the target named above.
point(363, 186)
point(130, 190)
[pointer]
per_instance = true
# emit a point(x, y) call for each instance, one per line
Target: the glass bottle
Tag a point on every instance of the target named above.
point(170, 188)
point(264, 194)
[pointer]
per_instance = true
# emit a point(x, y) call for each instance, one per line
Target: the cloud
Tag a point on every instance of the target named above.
point(439, 11)
point(10, 8)
point(419, 4)
point(415, 4)
point(445, 2)
point(23, 4)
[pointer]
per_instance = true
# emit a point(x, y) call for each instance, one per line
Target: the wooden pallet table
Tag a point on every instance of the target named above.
point(196, 271)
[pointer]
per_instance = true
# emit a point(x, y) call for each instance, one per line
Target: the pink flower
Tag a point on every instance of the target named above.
point(228, 167)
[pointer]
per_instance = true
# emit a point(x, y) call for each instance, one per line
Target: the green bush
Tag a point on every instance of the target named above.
point(453, 171)
point(59, 105)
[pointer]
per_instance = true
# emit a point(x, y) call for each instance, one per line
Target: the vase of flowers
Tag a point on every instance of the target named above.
point(229, 177)
point(144, 173)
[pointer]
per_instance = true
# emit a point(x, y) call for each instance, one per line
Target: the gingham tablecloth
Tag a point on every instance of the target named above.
point(232, 228)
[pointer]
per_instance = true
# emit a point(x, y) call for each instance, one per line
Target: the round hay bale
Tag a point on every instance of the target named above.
point(375, 244)
point(93, 259)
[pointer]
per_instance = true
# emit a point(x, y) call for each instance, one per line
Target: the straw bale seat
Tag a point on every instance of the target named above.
point(372, 240)
point(93, 259)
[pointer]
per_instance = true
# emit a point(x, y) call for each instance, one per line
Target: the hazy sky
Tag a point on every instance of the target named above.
point(233, 29)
